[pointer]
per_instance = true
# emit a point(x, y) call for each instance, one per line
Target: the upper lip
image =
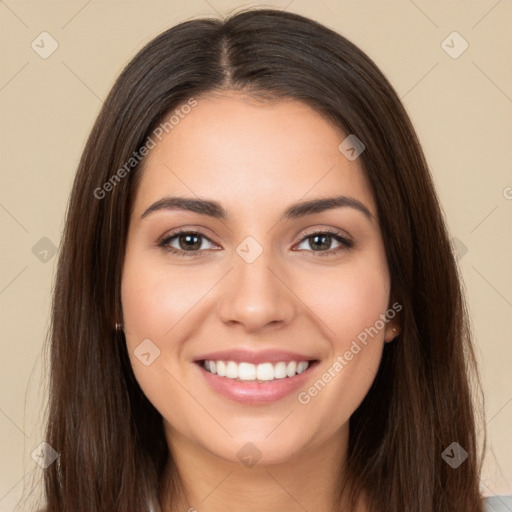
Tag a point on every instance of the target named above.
point(239, 355)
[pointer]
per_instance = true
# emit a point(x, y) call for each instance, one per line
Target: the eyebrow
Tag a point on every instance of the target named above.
point(295, 211)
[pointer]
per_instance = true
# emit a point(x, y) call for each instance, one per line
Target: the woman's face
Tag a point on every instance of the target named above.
point(255, 279)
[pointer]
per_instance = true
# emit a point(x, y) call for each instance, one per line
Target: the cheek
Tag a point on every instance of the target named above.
point(159, 304)
point(349, 303)
point(155, 298)
point(350, 299)
point(154, 301)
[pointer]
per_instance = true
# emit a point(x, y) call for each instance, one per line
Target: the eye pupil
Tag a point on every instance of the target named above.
point(324, 244)
point(194, 245)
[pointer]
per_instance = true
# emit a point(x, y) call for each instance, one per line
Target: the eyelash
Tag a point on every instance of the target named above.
point(346, 244)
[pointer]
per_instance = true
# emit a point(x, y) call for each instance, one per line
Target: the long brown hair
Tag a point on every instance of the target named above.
point(113, 452)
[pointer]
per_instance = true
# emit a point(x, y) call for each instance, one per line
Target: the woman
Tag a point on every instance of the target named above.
point(256, 306)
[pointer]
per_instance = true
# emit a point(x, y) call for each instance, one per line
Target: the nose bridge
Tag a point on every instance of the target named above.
point(255, 294)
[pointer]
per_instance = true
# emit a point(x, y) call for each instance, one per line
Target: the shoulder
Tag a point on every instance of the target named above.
point(498, 504)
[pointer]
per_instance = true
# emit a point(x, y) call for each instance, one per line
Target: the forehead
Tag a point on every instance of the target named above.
point(243, 151)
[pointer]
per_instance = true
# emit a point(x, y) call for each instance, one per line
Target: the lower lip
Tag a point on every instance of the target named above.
point(251, 392)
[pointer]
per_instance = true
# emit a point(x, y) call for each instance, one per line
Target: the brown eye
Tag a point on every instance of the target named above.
point(190, 242)
point(321, 242)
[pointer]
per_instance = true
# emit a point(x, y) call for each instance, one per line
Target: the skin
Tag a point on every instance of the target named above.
point(255, 159)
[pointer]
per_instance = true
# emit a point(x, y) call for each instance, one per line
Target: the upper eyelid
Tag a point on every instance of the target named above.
point(332, 231)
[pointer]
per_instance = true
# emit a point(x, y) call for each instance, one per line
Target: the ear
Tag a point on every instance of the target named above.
point(394, 322)
point(392, 330)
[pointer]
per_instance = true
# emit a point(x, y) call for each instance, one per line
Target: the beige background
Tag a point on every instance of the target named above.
point(461, 108)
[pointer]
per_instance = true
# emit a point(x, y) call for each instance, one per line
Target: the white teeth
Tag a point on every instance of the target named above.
point(246, 371)
point(251, 372)
point(232, 370)
point(302, 366)
point(280, 370)
point(265, 371)
point(290, 369)
point(221, 368)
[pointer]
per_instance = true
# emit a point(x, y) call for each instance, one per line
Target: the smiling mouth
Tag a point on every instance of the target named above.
point(261, 373)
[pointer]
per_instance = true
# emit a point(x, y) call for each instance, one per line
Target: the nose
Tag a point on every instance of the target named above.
point(258, 295)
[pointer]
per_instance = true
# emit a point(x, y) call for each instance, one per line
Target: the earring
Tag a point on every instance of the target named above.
point(119, 327)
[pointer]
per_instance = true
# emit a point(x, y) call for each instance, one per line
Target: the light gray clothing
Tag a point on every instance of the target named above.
point(498, 504)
